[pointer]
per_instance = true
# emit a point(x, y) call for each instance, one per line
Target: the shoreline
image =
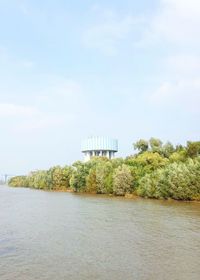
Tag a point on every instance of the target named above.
point(125, 197)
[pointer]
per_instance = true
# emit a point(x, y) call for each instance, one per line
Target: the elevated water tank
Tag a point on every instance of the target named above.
point(99, 146)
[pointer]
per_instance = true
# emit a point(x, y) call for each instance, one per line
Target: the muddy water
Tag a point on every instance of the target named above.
point(45, 235)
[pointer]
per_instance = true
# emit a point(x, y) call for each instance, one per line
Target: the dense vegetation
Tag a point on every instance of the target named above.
point(157, 170)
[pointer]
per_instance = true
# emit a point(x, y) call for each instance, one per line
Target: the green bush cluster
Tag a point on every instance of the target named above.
point(56, 178)
point(157, 170)
point(179, 181)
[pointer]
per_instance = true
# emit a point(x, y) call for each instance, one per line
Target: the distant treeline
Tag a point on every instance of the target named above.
point(157, 170)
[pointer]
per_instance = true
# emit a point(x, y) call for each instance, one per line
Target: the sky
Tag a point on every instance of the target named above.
point(71, 69)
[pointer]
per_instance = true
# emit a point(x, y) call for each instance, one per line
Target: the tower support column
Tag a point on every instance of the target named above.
point(108, 154)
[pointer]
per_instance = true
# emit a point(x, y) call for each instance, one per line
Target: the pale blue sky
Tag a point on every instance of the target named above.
point(71, 69)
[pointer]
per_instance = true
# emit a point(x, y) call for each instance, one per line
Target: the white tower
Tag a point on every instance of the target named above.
point(99, 147)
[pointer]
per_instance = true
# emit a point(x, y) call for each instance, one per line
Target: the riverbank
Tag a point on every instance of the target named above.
point(158, 171)
point(125, 197)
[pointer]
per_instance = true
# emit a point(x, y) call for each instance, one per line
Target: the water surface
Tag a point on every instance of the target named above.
point(46, 235)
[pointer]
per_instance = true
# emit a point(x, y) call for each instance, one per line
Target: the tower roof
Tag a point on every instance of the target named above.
point(99, 143)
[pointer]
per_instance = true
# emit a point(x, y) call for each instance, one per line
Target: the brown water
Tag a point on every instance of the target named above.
point(46, 235)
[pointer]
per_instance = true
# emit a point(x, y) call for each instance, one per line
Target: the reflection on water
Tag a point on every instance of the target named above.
point(45, 235)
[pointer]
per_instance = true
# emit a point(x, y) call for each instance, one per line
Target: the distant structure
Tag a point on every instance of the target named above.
point(4, 178)
point(99, 147)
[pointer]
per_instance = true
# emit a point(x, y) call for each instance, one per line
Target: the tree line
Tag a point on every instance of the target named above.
point(156, 170)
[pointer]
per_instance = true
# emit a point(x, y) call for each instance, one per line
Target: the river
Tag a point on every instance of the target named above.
point(47, 235)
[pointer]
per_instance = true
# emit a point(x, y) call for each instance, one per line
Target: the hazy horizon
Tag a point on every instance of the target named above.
point(69, 70)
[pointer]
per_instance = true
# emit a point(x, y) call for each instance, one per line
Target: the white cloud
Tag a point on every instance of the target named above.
point(176, 21)
point(27, 64)
point(44, 121)
point(61, 93)
point(176, 25)
point(7, 59)
point(63, 88)
point(184, 94)
point(28, 119)
point(106, 35)
point(184, 64)
point(13, 110)
point(56, 102)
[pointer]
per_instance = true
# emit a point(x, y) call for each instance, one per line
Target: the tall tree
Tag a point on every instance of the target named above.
point(141, 145)
point(156, 145)
point(193, 149)
point(91, 181)
point(168, 149)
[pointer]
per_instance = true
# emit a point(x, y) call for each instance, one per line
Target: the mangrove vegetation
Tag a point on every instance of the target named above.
point(155, 170)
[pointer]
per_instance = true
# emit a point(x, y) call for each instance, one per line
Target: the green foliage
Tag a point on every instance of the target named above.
point(157, 171)
point(79, 174)
point(179, 181)
point(117, 162)
point(156, 145)
point(141, 145)
point(91, 181)
point(122, 180)
point(151, 161)
point(193, 149)
point(104, 177)
point(179, 156)
point(168, 149)
point(60, 177)
point(56, 178)
point(18, 181)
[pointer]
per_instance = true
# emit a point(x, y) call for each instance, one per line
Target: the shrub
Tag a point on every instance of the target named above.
point(179, 181)
point(122, 180)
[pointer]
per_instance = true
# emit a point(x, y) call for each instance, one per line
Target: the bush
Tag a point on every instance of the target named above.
point(122, 180)
point(179, 181)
